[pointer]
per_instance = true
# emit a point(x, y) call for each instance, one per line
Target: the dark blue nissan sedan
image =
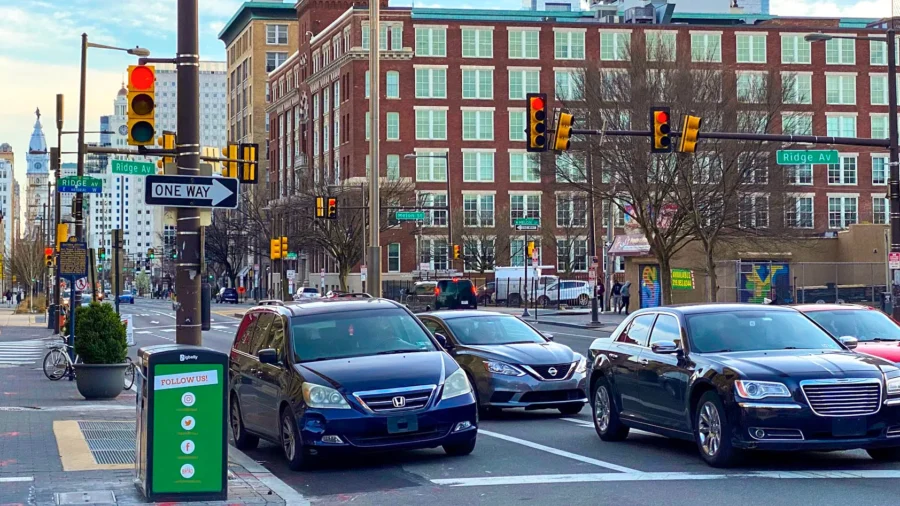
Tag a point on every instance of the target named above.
point(330, 376)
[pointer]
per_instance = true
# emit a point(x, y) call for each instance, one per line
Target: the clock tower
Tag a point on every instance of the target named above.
point(37, 173)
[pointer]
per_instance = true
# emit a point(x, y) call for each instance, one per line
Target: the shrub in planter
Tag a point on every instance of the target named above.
point(100, 342)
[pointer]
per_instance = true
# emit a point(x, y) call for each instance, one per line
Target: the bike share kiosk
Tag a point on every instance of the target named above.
point(182, 424)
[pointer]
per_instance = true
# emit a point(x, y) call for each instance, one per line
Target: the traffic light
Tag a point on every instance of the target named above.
point(690, 131)
point(456, 251)
point(167, 142)
point(530, 249)
point(563, 132)
point(537, 122)
point(332, 209)
point(659, 120)
point(275, 249)
point(173, 254)
point(230, 169)
point(99, 267)
point(284, 247)
point(247, 170)
point(151, 254)
point(101, 253)
point(48, 257)
point(320, 207)
point(141, 105)
point(62, 233)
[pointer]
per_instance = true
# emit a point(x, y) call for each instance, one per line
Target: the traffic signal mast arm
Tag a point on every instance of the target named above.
point(799, 139)
point(144, 151)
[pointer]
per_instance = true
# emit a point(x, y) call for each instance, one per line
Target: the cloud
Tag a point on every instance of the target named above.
point(832, 8)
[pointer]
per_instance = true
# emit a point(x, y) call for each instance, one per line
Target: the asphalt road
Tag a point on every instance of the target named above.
point(544, 458)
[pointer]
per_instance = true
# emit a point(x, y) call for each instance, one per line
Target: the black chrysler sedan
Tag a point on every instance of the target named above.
point(735, 377)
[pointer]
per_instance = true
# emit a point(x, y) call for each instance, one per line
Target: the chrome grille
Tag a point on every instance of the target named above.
point(383, 401)
point(543, 371)
point(843, 398)
point(893, 431)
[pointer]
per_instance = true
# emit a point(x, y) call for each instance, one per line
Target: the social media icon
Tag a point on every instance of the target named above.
point(188, 423)
point(188, 399)
point(187, 447)
point(187, 471)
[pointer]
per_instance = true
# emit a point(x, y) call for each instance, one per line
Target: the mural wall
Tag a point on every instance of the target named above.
point(757, 280)
point(651, 293)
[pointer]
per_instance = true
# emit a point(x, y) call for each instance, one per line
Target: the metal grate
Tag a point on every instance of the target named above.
point(113, 456)
point(96, 497)
point(110, 442)
point(842, 398)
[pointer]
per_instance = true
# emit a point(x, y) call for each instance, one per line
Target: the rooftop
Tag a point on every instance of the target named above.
point(250, 11)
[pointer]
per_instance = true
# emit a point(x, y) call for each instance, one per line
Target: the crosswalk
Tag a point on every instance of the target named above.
point(27, 352)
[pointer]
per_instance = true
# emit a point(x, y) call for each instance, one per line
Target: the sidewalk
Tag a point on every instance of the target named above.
point(579, 318)
point(52, 441)
point(8, 318)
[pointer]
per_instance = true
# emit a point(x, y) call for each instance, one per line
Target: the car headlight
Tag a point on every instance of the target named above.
point(582, 366)
point(457, 384)
point(318, 396)
point(893, 386)
point(502, 368)
point(761, 389)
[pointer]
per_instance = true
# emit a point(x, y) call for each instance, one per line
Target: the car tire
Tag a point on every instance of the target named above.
point(583, 300)
point(291, 446)
point(884, 454)
point(460, 449)
point(571, 409)
point(712, 432)
point(543, 301)
point(242, 440)
point(607, 423)
point(515, 300)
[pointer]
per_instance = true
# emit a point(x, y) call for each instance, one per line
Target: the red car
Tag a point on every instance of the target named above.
point(878, 334)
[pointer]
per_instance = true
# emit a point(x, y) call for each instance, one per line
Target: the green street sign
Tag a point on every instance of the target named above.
point(291, 256)
point(682, 279)
point(132, 168)
point(805, 157)
point(79, 184)
point(410, 215)
point(529, 222)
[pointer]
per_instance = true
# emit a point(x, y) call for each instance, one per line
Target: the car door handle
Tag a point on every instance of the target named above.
point(613, 355)
point(643, 361)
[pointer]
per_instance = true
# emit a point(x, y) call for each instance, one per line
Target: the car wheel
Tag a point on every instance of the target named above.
point(606, 415)
point(515, 299)
point(571, 409)
point(290, 442)
point(584, 299)
point(884, 454)
point(544, 301)
point(713, 432)
point(460, 449)
point(242, 440)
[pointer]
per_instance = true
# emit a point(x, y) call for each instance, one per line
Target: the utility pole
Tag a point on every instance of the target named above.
point(187, 236)
point(57, 202)
point(374, 262)
point(894, 159)
point(79, 203)
point(592, 235)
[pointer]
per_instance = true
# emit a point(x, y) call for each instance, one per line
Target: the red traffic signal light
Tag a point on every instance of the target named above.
point(141, 105)
point(142, 78)
point(537, 122)
point(659, 121)
point(48, 251)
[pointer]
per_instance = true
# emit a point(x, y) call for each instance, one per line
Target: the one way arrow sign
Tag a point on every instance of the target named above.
point(191, 191)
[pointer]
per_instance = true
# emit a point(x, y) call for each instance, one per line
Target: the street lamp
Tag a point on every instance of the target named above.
point(446, 158)
point(894, 152)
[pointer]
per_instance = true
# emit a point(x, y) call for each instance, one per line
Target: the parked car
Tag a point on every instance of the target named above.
point(455, 293)
point(227, 295)
point(510, 282)
point(735, 377)
point(877, 333)
point(343, 375)
point(126, 297)
point(307, 292)
point(422, 296)
point(511, 364)
point(570, 292)
point(485, 293)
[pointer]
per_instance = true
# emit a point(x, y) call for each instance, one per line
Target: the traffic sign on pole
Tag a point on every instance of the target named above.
point(191, 191)
point(804, 157)
point(133, 168)
point(79, 184)
point(410, 215)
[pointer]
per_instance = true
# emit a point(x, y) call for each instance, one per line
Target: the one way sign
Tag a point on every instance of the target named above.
point(191, 191)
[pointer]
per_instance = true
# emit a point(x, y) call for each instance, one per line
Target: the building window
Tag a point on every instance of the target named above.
point(877, 52)
point(568, 85)
point(435, 217)
point(274, 60)
point(337, 95)
point(840, 126)
point(751, 87)
point(277, 34)
point(798, 174)
point(431, 124)
point(517, 125)
point(524, 206)
point(478, 84)
point(660, 45)
point(368, 126)
point(706, 47)
point(840, 52)
point(431, 83)
point(754, 211)
point(878, 89)
point(337, 132)
point(796, 88)
point(615, 46)
point(522, 82)
point(394, 257)
point(393, 84)
point(796, 124)
point(879, 126)
point(880, 206)
point(479, 254)
point(478, 167)
point(751, 48)
point(840, 90)
point(843, 172)
point(798, 212)
point(568, 45)
point(431, 41)
point(842, 212)
point(393, 167)
point(434, 252)
point(571, 210)
point(754, 168)
point(570, 168)
point(367, 85)
point(478, 210)
point(517, 251)
point(477, 43)
point(523, 44)
point(879, 170)
point(571, 255)
point(431, 167)
point(795, 50)
point(478, 125)
point(393, 126)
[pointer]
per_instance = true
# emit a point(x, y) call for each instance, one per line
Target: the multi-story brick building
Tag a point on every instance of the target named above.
point(454, 82)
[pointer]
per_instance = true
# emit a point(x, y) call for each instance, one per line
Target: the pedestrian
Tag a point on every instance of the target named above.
point(626, 295)
point(616, 296)
point(601, 290)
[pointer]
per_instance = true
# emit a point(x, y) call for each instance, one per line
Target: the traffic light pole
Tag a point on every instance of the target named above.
point(57, 204)
point(187, 245)
point(79, 205)
point(374, 261)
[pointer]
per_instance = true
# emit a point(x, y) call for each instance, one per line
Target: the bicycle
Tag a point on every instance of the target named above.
point(57, 363)
point(129, 373)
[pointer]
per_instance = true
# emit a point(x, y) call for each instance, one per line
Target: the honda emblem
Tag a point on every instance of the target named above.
point(399, 401)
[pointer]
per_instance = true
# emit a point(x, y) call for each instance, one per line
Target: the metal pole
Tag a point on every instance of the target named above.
point(449, 216)
point(374, 262)
point(592, 236)
point(57, 203)
point(610, 259)
point(79, 209)
point(187, 244)
point(524, 288)
point(894, 158)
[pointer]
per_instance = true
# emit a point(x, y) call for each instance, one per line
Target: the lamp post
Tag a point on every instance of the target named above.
point(446, 158)
point(894, 151)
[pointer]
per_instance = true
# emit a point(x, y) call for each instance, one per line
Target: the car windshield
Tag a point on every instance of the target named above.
point(356, 334)
point(863, 324)
point(755, 331)
point(493, 330)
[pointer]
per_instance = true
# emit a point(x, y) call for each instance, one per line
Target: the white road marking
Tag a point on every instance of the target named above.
point(285, 491)
point(167, 330)
point(590, 425)
point(142, 332)
point(25, 352)
point(77, 407)
point(219, 327)
point(153, 322)
point(558, 452)
point(639, 476)
point(16, 479)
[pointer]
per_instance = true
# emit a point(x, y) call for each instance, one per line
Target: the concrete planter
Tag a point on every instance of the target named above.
point(100, 381)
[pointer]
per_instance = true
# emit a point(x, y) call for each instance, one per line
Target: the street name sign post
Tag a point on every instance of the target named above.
point(79, 184)
point(192, 191)
point(807, 157)
point(133, 168)
point(410, 215)
point(527, 223)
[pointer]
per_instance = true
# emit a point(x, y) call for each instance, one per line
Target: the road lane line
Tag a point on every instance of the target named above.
point(590, 425)
point(560, 453)
point(282, 489)
point(16, 479)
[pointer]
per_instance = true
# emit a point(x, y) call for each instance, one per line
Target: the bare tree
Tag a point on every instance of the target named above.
point(26, 261)
point(484, 235)
point(227, 243)
point(569, 239)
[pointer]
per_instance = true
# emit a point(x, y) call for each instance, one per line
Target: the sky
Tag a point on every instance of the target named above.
point(40, 51)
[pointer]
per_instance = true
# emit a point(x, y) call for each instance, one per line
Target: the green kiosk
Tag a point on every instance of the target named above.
point(182, 435)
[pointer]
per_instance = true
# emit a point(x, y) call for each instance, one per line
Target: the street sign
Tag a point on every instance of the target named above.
point(527, 222)
point(73, 259)
point(526, 227)
point(893, 260)
point(133, 168)
point(363, 273)
point(191, 191)
point(81, 284)
point(291, 256)
point(79, 184)
point(410, 215)
point(804, 157)
point(534, 262)
point(682, 279)
point(291, 274)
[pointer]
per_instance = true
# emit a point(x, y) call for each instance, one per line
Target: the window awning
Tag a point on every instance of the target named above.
point(630, 245)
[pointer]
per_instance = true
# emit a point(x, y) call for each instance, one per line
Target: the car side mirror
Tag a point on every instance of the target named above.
point(268, 356)
point(664, 347)
point(849, 341)
point(548, 335)
point(441, 338)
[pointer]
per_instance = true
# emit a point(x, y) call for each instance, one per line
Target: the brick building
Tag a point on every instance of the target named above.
point(454, 81)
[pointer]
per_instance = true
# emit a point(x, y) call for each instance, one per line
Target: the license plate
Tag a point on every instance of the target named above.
point(401, 424)
point(849, 426)
point(464, 302)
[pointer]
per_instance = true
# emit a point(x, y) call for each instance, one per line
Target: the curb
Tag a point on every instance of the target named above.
point(280, 488)
point(567, 325)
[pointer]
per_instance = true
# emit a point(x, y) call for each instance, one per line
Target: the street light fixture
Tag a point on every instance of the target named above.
point(816, 37)
point(446, 158)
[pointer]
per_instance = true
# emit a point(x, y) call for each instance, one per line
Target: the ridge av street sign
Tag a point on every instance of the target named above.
point(191, 191)
point(803, 157)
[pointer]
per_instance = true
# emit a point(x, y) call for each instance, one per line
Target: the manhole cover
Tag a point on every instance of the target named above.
point(109, 442)
point(99, 497)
